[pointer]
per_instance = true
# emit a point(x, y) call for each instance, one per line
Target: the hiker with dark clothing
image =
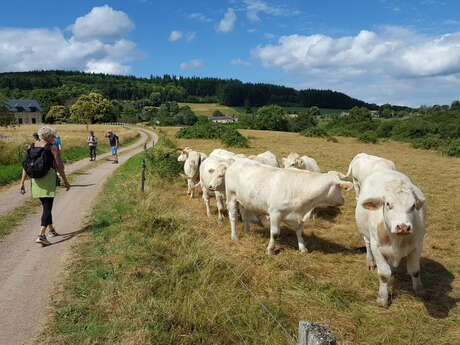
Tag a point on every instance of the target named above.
point(40, 164)
point(114, 142)
point(92, 143)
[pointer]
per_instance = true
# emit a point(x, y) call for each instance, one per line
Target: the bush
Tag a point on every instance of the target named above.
point(431, 141)
point(205, 129)
point(368, 137)
point(452, 148)
point(162, 159)
point(332, 139)
point(314, 132)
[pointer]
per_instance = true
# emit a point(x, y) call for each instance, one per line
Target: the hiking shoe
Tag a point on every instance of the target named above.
point(52, 233)
point(43, 240)
point(115, 162)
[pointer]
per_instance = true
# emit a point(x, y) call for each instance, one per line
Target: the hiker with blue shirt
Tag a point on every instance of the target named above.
point(40, 164)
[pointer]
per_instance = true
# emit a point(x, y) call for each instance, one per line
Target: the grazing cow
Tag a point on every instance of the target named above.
point(390, 214)
point(222, 154)
point(363, 165)
point(293, 160)
point(287, 195)
point(266, 158)
point(193, 160)
point(207, 170)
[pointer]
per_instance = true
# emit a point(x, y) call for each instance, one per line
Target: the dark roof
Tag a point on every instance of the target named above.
point(29, 105)
point(221, 118)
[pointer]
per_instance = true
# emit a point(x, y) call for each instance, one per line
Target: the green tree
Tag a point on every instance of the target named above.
point(7, 118)
point(271, 117)
point(217, 113)
point(455, 105)
point(58, 113)
point(91, 108)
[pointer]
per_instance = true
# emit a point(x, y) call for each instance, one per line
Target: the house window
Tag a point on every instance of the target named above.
point(20, 121)
point(34, 120)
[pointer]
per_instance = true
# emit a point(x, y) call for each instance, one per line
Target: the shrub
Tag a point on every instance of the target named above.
point(205, 129)
point(368, 137)
point(332, 139)
point(452, 148)
point(162, 159)
point(314, 132)
point(431, 141)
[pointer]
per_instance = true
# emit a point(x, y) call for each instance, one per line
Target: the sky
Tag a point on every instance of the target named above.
point(404, 52)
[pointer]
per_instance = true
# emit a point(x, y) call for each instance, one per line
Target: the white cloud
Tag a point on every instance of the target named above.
point(227, 23)
point(394, 61)
point(200, 17)
point(191, 36)
point(192, 64)
point(175, 35)
point(255, 7)
point(35, 49)
point(269, 35)
point(102, 23)
point(240, 62)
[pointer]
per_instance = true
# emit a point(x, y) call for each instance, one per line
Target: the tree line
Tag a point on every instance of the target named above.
point(57, 87)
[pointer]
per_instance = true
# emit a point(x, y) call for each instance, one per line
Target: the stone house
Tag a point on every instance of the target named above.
point(26, 111)
point(223, 119)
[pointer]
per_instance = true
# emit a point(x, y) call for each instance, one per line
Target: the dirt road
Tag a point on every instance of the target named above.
point(10, 198)
point(28, 272)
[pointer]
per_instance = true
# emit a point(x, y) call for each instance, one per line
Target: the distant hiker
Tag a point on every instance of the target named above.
point(58, 143)
point(92, 143)
point(40, 164)
point(114, 142)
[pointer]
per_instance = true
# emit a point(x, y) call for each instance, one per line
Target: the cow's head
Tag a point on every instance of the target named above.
point(399, 205)
point(184, 154)
point(293, 161)
point(217, 182)
point(337, 186)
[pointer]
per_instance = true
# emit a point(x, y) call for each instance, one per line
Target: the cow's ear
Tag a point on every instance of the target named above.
point(284, 161)
point(419, 203)
point(211, 171)
point(372, 203)
point(346, 186)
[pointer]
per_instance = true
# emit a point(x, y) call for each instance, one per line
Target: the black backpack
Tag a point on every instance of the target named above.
point(37, 161)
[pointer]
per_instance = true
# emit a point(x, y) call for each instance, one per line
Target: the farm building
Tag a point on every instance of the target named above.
point(223, 119)
point(26, 111)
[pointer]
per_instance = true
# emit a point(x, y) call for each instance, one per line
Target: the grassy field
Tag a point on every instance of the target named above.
point(206, 109)
point(73, 139)
point(156, 270)
point(290, 110)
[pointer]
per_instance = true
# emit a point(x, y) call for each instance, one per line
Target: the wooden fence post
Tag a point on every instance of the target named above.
point(314, 334)
point(143, 175)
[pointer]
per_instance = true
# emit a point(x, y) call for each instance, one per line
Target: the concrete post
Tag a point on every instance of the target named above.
point(314, 334)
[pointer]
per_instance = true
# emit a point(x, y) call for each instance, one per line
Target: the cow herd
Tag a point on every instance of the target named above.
point(390, 209)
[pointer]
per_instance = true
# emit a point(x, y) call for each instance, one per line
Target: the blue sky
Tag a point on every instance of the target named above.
point(400, 52)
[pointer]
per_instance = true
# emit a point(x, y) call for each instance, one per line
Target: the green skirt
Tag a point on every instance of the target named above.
point(45, 187)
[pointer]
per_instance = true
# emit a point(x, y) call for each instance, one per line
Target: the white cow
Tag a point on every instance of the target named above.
point(364, 165)
point(193, 160)
point(390, 214)
point(222, 154)
point(287, 195)
point(207, 170)
point(293, 160)
point(267, 158)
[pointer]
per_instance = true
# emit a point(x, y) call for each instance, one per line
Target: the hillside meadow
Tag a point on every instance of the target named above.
point(207, 109)
point(152, 268)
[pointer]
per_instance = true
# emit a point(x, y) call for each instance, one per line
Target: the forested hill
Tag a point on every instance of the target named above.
point(57, 86)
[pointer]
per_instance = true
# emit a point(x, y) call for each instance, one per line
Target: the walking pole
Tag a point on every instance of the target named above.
point(143, 175)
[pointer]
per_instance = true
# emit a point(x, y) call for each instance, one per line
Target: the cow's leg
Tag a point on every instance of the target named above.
point(369, 257)
point(245, 219)
point(384, 272)
point(206, 200)
point(220, 206)
point(232, 214)
point(299, 233)
point(413, 268)
point(274, 231)
point(190, 188)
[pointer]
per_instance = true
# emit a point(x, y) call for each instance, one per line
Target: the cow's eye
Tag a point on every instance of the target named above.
point(388, 206)
point(413, 207)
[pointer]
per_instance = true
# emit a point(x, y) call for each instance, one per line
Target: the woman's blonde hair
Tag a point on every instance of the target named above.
point(46, 132)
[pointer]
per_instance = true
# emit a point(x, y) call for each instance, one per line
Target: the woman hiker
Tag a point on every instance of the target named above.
point(92, 143)
point(43, 160)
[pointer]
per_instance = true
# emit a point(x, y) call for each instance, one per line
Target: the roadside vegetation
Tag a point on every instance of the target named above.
point(153, 269)
point(15, 140)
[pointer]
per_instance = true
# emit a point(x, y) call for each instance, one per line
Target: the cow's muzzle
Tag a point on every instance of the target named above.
point(403, 229)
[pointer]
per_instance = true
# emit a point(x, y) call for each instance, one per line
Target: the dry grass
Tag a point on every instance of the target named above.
point(331, 284)
point(207, 109)
point(72, 136)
